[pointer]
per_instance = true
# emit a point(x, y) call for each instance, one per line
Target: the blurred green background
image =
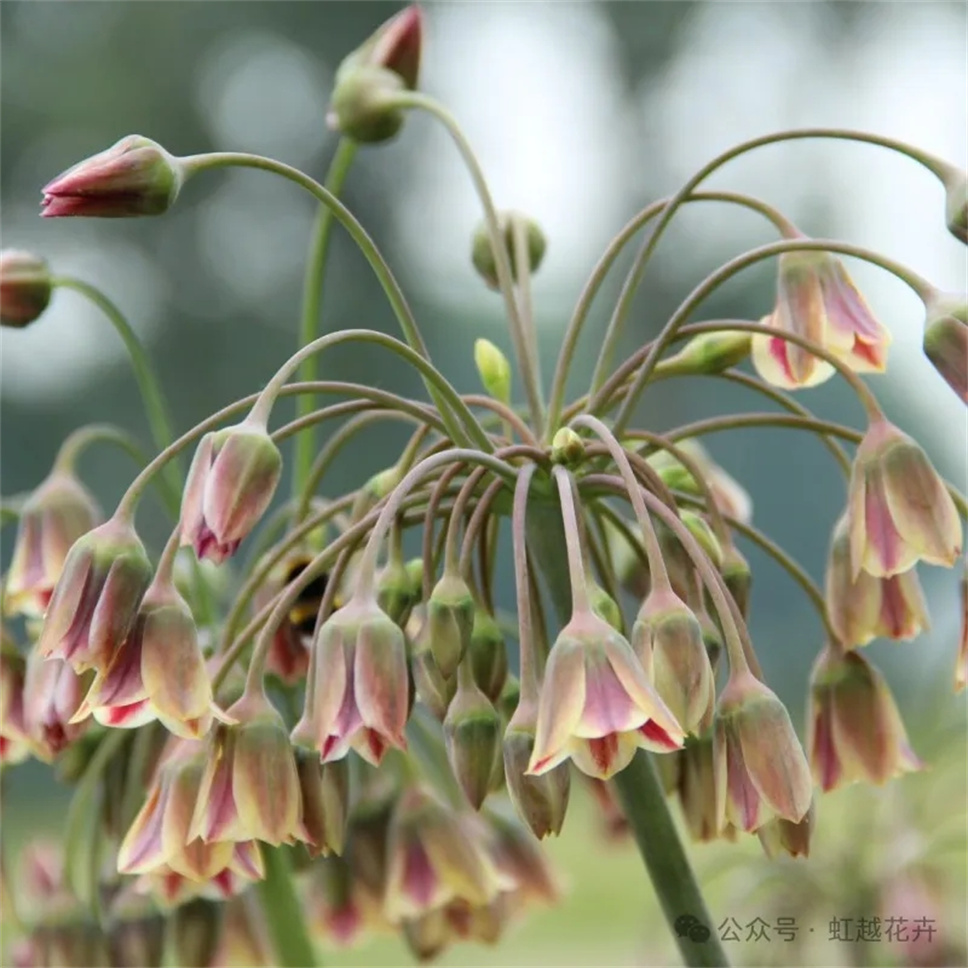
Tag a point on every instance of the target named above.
point(581, 113)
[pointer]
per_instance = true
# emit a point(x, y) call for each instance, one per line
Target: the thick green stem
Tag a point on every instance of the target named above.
point(312, 303)
point(638, 784)
point(283, 911)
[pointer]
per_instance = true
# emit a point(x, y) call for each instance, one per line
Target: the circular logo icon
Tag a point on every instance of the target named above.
point(685, 923)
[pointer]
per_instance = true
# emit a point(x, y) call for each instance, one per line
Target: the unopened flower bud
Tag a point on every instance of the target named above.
point(703, 533)
point(488, 655)
point(58, 512)
point(450, 614)
point(604, 606)
point(472, 731)
point(567, 447)
point(231, 481)
point(136, 176)
point(696, 786)
point(325, 799)
point(366, 80)
point(434, 690)
point(761, 770)
point(709, 353)
point(53, 692)
point(25, 287)
point(494, 370)
point(540, 801)
point(394, 591)
point(899, 509)
point(946, 339)
point(484, 257)
point(668, 640)
point(96, 600)
point(956, 202)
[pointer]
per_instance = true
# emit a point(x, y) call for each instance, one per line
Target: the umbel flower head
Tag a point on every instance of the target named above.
point(135, 176)
point(95, 602)
point(855, 730)
point(231, 481)
point(817, 300)
point(55, 515)
point(596, 704)
point(25, 287)
point(899, 510)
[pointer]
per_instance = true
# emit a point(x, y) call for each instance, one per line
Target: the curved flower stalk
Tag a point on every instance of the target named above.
point(322, 639)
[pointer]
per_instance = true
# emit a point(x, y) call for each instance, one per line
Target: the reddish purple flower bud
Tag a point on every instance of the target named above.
point(358, 694)
point(761, 771)
point(136, 176)
point(387, 62)
point(946, 339)
point(250, 788)
point(596, 704)
point(58, 512)
point(856, 732)
point(899, 510)
point(817, 300)
point(231, 481)
point(157, 673)
point(96, 600)
point(25, 287)
point(865, 608)
point(53, 692)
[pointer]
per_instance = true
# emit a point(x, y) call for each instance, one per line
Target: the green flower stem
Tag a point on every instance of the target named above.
point(475, 527)
point(505, 413)
point(638, 785)
point(921, 286)
point(312, 299)
point(734, 421)
point(151, 394)
point(283, 911)
point(934, 165)
point(464, 495)
point(577, 578)
point(522, 342)
point(433, 378)
point(79, 440)
point(604, 265)
point(356, 231)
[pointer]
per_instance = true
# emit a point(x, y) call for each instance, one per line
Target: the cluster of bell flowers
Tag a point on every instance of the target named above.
point(119, 642)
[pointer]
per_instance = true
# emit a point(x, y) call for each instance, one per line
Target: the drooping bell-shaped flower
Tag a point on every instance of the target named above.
point(53, 692)
point(899, 510)
point(596, 704)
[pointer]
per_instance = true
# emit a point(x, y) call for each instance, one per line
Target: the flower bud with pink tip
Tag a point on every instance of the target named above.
point(25, 287)
point(946, 339)
point(899, 510)
point(95, 602)
point(55, 515)
point(817, 300)
point(596, 704)
point(135, 176)
point(232, 479)
point(865, 607)
point(855, 729)
point(358, 694)
point(157, 673)
point(761, 770)
point(250, 788)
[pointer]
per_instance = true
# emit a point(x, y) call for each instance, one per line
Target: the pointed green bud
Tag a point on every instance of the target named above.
point(394, 591)
point(700, 530)
point(433, 690)
point(472, 731)
point(494, 370)
point(604, 606)
point(708, 353)
point(482, 252)
point(488, 655)
point(450, 614)
point(736, 572)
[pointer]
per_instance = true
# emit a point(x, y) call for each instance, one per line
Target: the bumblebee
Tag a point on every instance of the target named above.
point(302, 615)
